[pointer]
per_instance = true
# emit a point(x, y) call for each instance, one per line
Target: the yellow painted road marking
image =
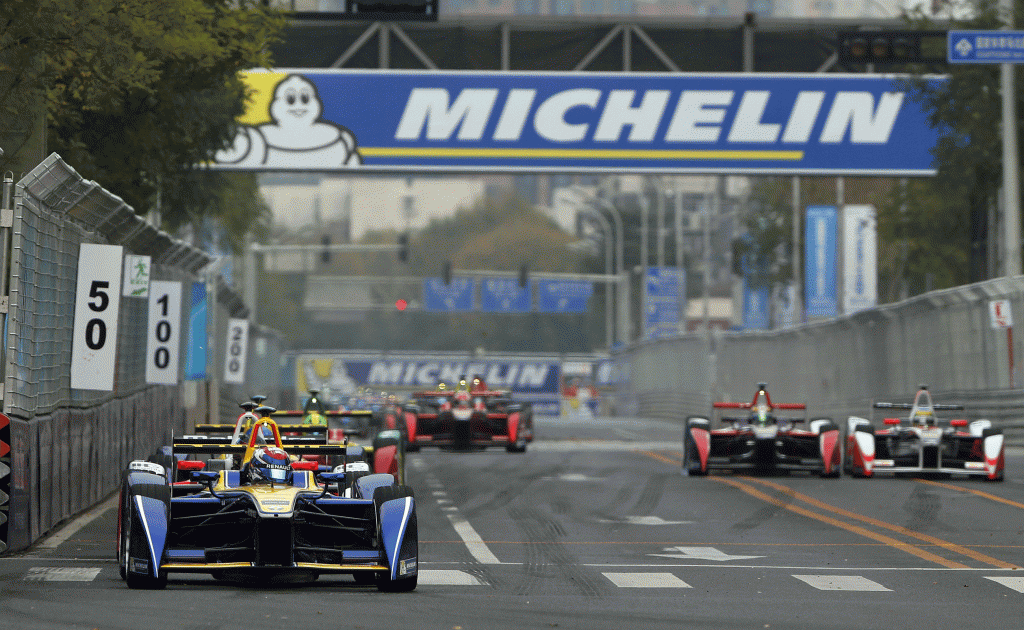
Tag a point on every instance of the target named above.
point(856, 529)
point(960, 549)
point(909, 548)
point(972, 491)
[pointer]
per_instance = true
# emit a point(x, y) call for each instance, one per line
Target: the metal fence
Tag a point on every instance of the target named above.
point(62, 449)
point(943, 339)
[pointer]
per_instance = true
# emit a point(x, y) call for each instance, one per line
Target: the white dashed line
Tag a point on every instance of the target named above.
point(646, 580)
point(842, 583)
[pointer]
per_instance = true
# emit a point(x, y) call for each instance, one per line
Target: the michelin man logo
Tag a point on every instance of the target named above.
point(297, 137)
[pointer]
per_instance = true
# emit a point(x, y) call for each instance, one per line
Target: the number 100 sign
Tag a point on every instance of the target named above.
point(97, 300)
point(164, 334)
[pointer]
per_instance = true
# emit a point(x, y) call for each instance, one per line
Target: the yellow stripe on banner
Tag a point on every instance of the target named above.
point(580, 154)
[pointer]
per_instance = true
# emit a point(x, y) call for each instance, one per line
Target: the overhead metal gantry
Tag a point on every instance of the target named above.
point(579, 44)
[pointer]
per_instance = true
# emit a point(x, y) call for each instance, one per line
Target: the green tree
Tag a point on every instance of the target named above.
point(936, 231)
point(136, 93)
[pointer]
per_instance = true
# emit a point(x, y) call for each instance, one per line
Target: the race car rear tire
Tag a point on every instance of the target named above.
point(130, 547)
point(384, 581)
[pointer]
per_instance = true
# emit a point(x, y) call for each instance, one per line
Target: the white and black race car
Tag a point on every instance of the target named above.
point(921, 443)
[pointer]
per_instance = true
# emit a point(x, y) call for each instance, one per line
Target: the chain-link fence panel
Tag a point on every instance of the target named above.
point(61, 449)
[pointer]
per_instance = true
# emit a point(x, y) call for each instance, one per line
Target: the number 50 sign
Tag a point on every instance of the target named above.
point(97, 300)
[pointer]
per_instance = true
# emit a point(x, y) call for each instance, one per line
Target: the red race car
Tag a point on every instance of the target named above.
point(467, 418)
point(754, 437)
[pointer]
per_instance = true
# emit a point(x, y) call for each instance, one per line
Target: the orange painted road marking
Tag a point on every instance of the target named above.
point(972, 491)
point(856, 529)
point(909, 548)
point(960, 549)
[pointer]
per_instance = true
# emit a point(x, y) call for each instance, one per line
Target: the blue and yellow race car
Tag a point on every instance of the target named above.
point(274, 515)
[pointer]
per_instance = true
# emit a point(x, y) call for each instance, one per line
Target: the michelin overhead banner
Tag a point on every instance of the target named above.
point(329, 120)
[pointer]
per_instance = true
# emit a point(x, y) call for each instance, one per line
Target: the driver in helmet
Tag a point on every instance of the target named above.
point(269, 464)
point(463, 386)
point(478, 384)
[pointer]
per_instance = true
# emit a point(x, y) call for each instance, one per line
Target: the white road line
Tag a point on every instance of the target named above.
point(646, 580)
point(1016, 583)
point(69, 530)
point(447, 577)
point(62, 574)
point(474, 543)
point(842, 583)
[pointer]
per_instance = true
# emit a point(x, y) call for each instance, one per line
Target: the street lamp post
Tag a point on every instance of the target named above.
point(608, 236)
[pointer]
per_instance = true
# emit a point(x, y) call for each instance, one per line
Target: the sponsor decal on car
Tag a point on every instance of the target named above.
point(884, 462)
point(140, 565)
point(405, 567)
point(975, 465)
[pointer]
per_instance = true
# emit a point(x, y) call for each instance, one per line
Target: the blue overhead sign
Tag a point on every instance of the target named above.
point(446, 298)
point(985, 46)
point(393, 120)
point(563, 296)
point(666, 290)
point(504, 295)
point(756, 303)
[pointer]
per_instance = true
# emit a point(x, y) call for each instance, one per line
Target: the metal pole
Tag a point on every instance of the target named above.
point(840, 244)
point(645, 208)
point(798, 288)
point(251, 292)
point(679, 257)
point(1011, 161)
point(608, 287)
point(706, 289)
point(660, 244)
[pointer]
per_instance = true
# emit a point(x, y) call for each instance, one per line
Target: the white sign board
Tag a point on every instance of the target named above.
point(97, 300)
point(163, 347)
point(860, 258)
point(136, 276)
point(999, 312)
point(235, 351)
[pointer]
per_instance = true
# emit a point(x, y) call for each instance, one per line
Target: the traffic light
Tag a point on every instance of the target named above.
point(325, 255)
point(891, 46)
point(446, 272)
point(392, 9)
point(524, 276)
point(403, 248)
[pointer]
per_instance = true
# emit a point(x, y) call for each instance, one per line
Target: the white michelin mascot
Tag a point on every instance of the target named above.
point(298, 137)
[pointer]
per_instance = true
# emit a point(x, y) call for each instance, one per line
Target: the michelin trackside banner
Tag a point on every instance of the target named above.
point(343, 376)
point(329, 120)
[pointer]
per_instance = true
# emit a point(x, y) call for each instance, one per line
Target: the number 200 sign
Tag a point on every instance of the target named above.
point(164, 323)
point(97, 300)
point(235, 352)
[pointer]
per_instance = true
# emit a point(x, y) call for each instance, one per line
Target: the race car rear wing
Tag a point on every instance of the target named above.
point(202, 447)
point(909, 406)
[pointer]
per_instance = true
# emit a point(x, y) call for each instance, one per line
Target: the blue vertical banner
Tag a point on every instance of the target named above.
point(756, 304)
point(195, 360)
point(820, 238)
point(666, 298)
point(504, 295)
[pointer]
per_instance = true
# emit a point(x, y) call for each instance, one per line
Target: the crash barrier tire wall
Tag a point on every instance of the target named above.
point(839, 367)
point(68, 446)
